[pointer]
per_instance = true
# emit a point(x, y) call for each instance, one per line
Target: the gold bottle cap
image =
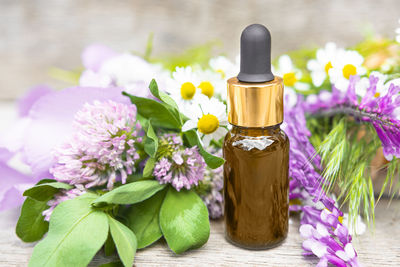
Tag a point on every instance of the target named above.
point(255, 104)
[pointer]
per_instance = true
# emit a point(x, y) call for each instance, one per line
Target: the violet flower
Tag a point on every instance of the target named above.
point(102, 149)
point(214, 180)
point(378, 106)
point(326, 236)
point(179, 166)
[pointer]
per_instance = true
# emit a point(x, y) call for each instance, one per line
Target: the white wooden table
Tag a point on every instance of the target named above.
point(379, 249)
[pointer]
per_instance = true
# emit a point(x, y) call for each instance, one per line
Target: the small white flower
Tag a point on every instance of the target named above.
point(211, 84)
point(224, 67)
point(347, 63)
point(208, 116)
point(183, 87)
point(382, 86)
point(319, 67)
point(290, 74)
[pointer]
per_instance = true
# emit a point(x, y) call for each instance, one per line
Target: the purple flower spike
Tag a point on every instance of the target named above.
point(378, 106)
point(321, 225)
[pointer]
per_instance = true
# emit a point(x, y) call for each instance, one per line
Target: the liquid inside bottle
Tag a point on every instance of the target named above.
point(256, 186)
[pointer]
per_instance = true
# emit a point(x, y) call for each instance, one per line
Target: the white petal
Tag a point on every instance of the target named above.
point(207, 139)
point(285, 64)
point(313, 65)
point(350, 250)
point(318, 249)
point(190, 124)
point(322, 230)
point(306, 230)
point(219, 133)
point(302, 86)
point(318, 77)
point(341, 254)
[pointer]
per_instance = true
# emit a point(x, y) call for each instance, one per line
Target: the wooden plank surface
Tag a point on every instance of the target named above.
point(379, 249)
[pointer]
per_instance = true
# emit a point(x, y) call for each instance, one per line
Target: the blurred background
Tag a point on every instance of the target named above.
point(38, 35)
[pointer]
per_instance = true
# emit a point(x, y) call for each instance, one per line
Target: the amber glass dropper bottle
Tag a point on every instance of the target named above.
point(256, 150)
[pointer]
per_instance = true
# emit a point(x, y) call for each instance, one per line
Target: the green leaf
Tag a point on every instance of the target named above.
point(160, 114)
point(149, 167)
point(184, 220)
point(76, 233)
point(211, 160)
point(161, 95)
point(31, 225)
point(125, 241)
point(46, 191)
point(130, 193)
point(109, 246)
point(151, 142)
point(143, 219)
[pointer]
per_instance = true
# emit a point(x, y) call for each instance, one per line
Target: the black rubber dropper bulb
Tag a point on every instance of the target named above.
point(255, 55)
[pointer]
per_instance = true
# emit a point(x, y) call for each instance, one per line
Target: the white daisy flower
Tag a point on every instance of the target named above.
point(208, 116)
point(382, 86)
point(290, 74)
point(224, 67)
point(346, 64)
point(398, 34)
point(211, 84)
point(183, 87)
point(320, 66)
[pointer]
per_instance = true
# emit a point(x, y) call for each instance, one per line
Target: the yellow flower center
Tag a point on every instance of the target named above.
point(340, 219)
point(188, 90)
point(377, 94)
point(207, 89)
point(221, 72)
point(208, 124)
point(349, 70)
point(289, 79)
point(328, 66)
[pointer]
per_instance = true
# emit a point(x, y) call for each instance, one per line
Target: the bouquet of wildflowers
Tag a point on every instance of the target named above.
point(120, 160)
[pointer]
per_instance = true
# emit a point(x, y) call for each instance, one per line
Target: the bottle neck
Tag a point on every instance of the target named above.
point(256, 131)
